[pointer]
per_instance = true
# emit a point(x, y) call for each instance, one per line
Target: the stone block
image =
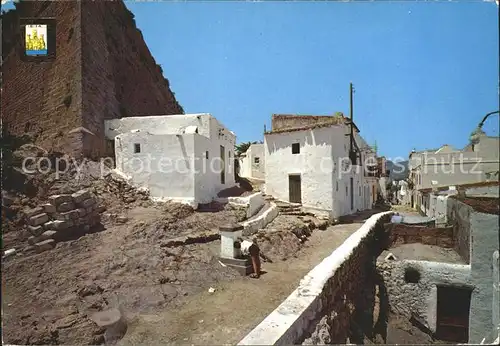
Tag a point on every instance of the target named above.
point(65, 207)
point(87, 203)
point(33, 212)
point(70, 215)
point(32, 240)
point(82, 212)
point(47, 235)
point(35, 230)
point(81, 196)
point(45, 245)
point(58, 225)
point(38, 219)
point(58, 199)
point(49, 208)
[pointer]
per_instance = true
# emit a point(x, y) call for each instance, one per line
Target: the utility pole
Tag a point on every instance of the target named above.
point(351, 116)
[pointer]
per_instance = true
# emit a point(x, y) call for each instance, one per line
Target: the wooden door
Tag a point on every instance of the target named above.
point(453, 306)
point(294, 188)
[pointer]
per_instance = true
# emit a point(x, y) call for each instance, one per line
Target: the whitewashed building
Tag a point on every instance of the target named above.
point(307, 162)
point(252, 162)
point(448, 166)
point(186, 158)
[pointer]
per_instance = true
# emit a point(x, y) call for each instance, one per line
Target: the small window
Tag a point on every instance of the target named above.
point(359, 190)
point(412, 275)
point(295, 148)
point(206, 154)
point(346, 191)
point(137, 148)
point(256, 159)
point(337, 186)
point(229, 154)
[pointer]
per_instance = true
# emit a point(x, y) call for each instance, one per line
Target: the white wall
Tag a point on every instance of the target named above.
point(192, 177)
point(172, 154)
point(249, 168)
point(324, 182)
point(315, 152)
point(257, 169)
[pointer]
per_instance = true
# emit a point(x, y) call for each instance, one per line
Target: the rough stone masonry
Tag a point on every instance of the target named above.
point(64, 217)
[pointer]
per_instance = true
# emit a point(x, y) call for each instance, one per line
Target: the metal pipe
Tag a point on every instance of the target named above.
point(486, 117)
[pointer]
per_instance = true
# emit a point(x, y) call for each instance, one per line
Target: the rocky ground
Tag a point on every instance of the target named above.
point(147, 259)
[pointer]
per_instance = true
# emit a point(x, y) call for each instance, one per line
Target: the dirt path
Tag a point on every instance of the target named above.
point(236, 307)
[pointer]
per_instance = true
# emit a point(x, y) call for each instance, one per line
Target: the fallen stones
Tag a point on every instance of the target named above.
point(56, 200)
point(66, 213)
point(66, 206)
point(89, 202)
point(45, 245)
point(49, 208)
point(35, 230)
point(38, 219)
point(33, 212)
point(80, 196)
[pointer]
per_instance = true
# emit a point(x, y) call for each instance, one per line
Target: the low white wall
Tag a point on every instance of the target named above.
point(252, 226)
point(292, 318)
point(253, 202)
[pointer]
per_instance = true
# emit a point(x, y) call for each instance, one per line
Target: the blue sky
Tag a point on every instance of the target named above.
point(425, 73)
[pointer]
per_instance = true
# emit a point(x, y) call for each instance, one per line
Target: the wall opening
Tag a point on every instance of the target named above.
point(223, 162)
point(295, 148)
point(256, 160)
point(294, 188)
point(452, 315)
point(206, 154)
point(137, 148)
point(412, 275)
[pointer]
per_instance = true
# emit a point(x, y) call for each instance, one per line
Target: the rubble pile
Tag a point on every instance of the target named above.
point(64, 217)
point(118, 187)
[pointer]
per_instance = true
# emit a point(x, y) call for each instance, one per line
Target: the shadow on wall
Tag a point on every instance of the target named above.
point(371, 322)
point(284, 140)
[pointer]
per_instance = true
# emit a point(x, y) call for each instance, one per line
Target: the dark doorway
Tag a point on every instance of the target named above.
point(453, 306)
point(223, 163)
point(352, 194)
point(294, 188)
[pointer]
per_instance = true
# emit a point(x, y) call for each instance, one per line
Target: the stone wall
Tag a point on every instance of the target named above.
point(420, 298)
point(476, 236)
point(284, 122)
point(407, 234)
point(103, 69)
point(64, 217)
point(458, 215)
point(338, 290)
point(43, 100)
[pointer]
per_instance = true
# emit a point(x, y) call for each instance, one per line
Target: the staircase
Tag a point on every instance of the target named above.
point(286, 208)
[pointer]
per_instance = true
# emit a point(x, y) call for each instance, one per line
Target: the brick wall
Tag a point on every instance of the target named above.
point(407, 234)
point(33, 99)
point(121, 77)
point(103, 69)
